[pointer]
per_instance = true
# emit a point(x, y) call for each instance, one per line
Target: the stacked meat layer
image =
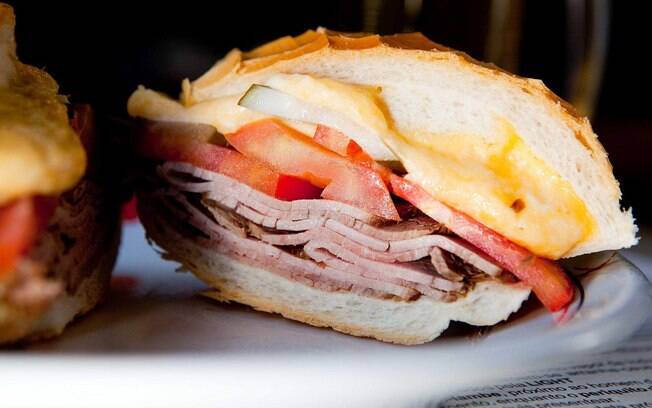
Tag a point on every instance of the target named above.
point(322, 243)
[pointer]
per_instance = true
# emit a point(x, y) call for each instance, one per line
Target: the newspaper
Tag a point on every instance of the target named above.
point(621, 378)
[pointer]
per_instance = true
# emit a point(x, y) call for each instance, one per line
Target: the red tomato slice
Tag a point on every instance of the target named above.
point(548, 280)
point(18, 230)
point(335, 140)
point(192, 147)
point(291, 152)
point(339, 143)
point(191, 144)
point(291, 188)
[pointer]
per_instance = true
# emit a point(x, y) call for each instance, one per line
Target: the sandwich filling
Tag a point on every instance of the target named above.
point(44, 234)
point(321, 211)
point(62, 252)
point(321, 243)
point(496, 179)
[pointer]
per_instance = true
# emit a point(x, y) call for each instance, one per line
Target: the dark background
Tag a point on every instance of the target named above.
point(100, 51)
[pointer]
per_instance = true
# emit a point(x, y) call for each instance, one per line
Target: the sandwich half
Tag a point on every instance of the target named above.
point(382, 186)
point(59, 223)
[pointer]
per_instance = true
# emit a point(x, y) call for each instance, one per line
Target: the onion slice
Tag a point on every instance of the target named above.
point(265, 99)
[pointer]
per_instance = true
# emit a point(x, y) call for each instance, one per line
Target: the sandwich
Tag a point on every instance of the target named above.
point(59, 222)
point(382, 186)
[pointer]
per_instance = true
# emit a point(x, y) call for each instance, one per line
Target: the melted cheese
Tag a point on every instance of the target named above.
point(223, 113)
point(501, 184)
point(359, 105)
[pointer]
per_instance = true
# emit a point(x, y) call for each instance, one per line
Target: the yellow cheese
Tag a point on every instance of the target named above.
point(355, 104)
point(223, 113)
point(501, 184)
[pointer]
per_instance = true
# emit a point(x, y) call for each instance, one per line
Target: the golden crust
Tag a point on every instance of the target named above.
point(39, 151)
point(307, 42)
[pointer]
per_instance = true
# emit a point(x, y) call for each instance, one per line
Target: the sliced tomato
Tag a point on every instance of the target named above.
point(291, 188)
point(158, 142)
point(335, 140)
point(18, 230)
point(548, 280)
point(338, 142)
point(291, 152)
point(192, 144)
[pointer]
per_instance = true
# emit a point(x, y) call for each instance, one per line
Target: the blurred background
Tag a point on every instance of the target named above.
point(591, 52)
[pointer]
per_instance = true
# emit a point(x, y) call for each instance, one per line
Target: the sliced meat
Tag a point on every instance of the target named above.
point(330, 235)
point(227, 220)
point(76, 235)
point(387, 277)
point(434, 293)
point(272, 258)
point(323, 243)
point(438, 260)
point(325, 251)
point(218, 187)
point(300, 225)
point(375, 280)
point(357, 236)
point(454, 245)
point(411, 228)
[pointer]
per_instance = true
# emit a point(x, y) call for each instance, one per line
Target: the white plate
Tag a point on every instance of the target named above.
point(161, 345)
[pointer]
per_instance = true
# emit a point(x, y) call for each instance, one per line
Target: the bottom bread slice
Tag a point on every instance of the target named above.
point(403, 322)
